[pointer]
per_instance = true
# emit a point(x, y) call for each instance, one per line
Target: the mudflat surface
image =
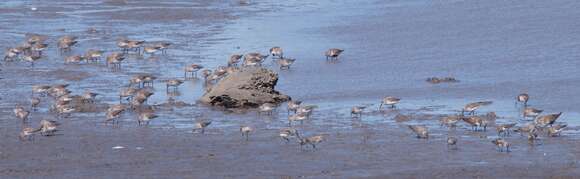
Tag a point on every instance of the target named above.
point(496, 49)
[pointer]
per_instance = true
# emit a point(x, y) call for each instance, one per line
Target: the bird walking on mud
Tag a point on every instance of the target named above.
point(312, 140)
point(420, 130)
point(201, 126)
point(246, 130)
point(471, 107)
point(477, 123)
point(285, 63)
point(531, 112)
point(451, 142)
point(389, 100)
point(234, 60)
point(501, 144)
point(523, 99)
point(357, 111)
point(450, 121)
point(504, 130)
point(333, 53)
point(48, 128)
point(286, 133)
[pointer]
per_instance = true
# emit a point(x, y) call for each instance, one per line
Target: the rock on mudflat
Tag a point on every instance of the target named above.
point(249, 87)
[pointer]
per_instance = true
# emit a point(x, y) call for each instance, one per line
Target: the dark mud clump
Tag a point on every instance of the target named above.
point(250, 87)
point(437, 80)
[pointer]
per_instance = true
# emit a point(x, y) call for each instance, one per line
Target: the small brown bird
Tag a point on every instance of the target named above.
point(286, 133)
point(34, 101)
point(42, 90)
point(163, 46)
point(306, 110)
point(527, 128)
point(532, 112)
point(201, 126)
point(93, 55)
point(267, 108)
point(450, 121)
point(66, 43)
point(451, 142)
point(38, 48)
point(285, 63)
point(113, 113)
point(532, 137)
point(246, 130)
point(48, 128)
point(115, 59)
point(127, 93)
point(471, 107)
point(146, 117)
point(501, 144)
point(293, 106)
point(193, 68)
point(173, 83)
point(357, 111)
point(123, 44)
point(504, 129)
point(75, 59)
point(31, 59)
point(21, 113)
point(389, 100)
point(89, 97)
point(555, 130)
point(476, 123)
point(313, 140)
point(205, 73)
point(151, 50)
point(11, 54)
point(545, 120)
point(333, 53)
point(277, 52)
point(234, 60)
point(297, 117)
point(420, 130)
point(28, 133)
point(523, 98)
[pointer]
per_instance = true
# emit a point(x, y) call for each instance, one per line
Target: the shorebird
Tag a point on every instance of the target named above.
point(555, 130)
point(135, 45)
point(42, 90)
point(545, 120)
point(113, 114)
point(163, 46)
point(73, 59)
point(357, 111)
point(150, 50)
point(38, 48)
point(31, 59)
point(420, 130)
point(286, 133)
point(297, 117)
point(48, 128)
point(476, 122)
point(173, 83)
point(205, 73)
point(28, 133)
point(532, 137)
point(66, 42)
point(253, 59)
point(523, 98)
point(21, 113)
point(123, 44)
point(11, 53)
point(193, 68)
point(93, 55)
point(527, 128)
point(127, 93)
point(65, 110)
point(504, 129)
point(293, 106)
point(451, 142)
point(32, 38)
point(34, 101)
point(145, 117)
point(277, 52)
point(471, 107)
point(501, 144)
point(148, 79)
point(58, 90)
point(333, 53)
point(531, 112)
point(234, 60)
point(89, 97)
point(450, 121)
point(115, 59)
point(246, 130)
point(312, 140)
point(306, 110)
point(266, 108)
point(201, 126)
point(285, 63)
point(389, 100)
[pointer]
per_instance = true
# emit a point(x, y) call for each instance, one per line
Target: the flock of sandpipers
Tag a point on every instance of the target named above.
point(139, 90)
point(140, 86)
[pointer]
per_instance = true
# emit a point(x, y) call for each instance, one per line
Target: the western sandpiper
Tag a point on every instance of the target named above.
point(201, 126)
point(420, 130)
point(471, 107)
point(234, 59)
point(246, 130)
point(286, 133)
point(277, 52)
point(193, 68)
point(333, 53)
point(545, 120)
point(389, 100)
point(146, 117)
point(501, 144)
point(523, 98)
point(476, 122)
point(503, 130)
point(285, 63)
